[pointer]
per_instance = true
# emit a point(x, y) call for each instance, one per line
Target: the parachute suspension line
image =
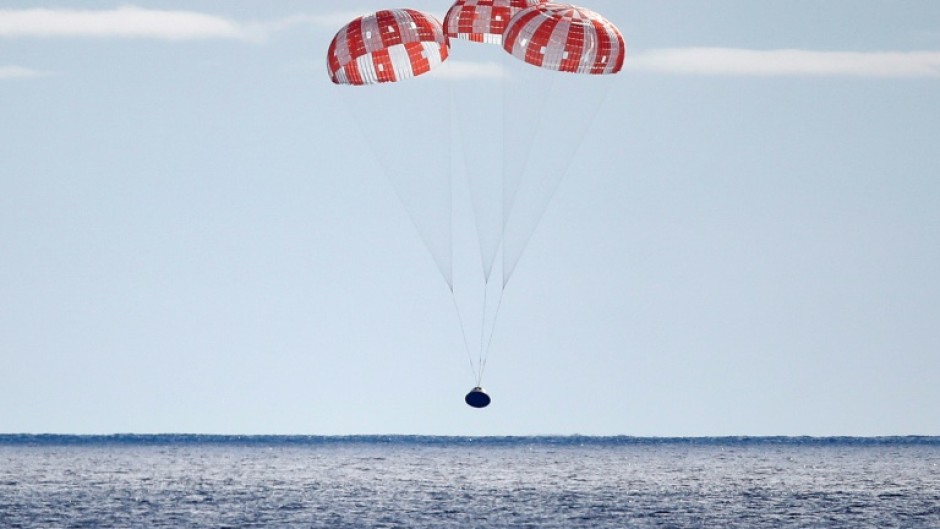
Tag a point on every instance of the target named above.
point(578, 140)
point(510, 195)
point(526, 155)
point(482, 333)
point(463, 333)
point(362, 118)
point(489, 342)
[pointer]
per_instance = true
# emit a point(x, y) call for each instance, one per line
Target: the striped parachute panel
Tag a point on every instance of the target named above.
point(386, 46)
point(483, 20)
point(565, 38)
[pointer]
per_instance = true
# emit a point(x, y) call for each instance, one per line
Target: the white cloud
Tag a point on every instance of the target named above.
point(123, 22)
point(742, 62)
point(19, 72)
point(332, 21)
point(137, 22)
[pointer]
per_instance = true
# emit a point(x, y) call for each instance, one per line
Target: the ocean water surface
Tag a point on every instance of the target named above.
point(431, 482)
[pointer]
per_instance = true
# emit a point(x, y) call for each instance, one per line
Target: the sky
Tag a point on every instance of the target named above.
point(196, 237)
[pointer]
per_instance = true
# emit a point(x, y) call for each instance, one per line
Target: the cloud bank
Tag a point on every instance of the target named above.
point(331, 21)
point(19, 72)
point(743, 62)
point(131, 22)
point(123, 22)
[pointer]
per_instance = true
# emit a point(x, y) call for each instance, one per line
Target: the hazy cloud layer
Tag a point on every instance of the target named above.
point(742, 62)
point(123, 22)
point(19, 72)
point(137, 22)
point(332, 21)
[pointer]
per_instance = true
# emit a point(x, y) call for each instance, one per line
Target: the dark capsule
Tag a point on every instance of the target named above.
point(477, 398)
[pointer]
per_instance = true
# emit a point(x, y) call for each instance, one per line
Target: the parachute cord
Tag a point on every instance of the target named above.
point(482, 331)
point(489, 342)
point(463, 332)
point(447, 274)
point(566, 167)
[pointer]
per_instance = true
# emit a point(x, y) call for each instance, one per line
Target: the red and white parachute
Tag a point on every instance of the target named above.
point(386, 46)
point(483, 20)
point(565, 38)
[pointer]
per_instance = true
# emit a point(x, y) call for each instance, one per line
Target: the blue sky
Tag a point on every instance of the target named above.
point(193, 237)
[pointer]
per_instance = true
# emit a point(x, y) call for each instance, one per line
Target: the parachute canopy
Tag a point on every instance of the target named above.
point(483, 20)
point(565, 38)
point(386, 46)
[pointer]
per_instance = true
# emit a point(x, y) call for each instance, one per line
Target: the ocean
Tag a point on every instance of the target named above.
point(183, 481)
